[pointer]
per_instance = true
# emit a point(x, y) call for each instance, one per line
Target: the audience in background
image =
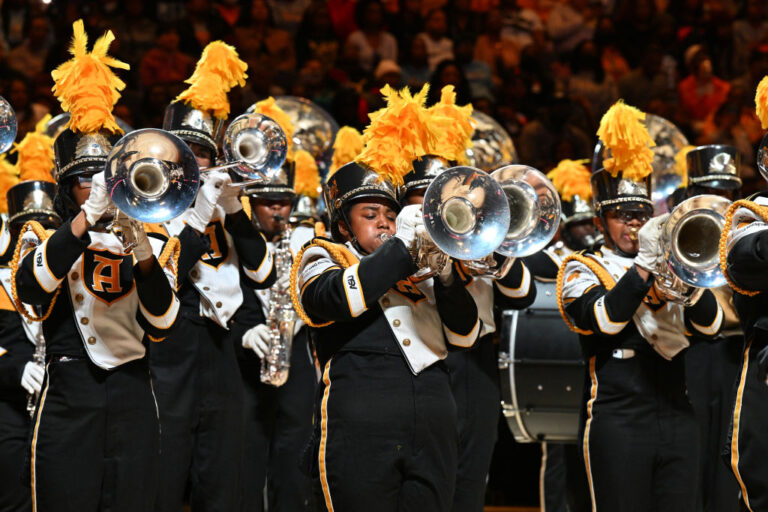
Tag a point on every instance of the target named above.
point(545, 69)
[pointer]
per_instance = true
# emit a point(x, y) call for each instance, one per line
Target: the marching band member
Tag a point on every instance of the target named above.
point(95, 438)
point(474, 373)
point(640, 436)
point(22, 368)
point(563, 483)
point(195, 371)
point(711, 369)
point(577, 228)
point(742, 258)
point(278, 416)
point(386, 433)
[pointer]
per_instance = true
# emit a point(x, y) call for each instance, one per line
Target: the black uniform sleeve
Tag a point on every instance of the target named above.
point(193, 246)
point(337, 295)
point(517, 289)
point(606, 313)
point(458, 312)
point(159, 308)
point(747, 262)
point(705, 318)
point(541, 265)
point(43, 269)
point(255, 257)
point(17, 351)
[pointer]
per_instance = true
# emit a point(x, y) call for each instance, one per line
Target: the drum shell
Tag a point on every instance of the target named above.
point(542, 372)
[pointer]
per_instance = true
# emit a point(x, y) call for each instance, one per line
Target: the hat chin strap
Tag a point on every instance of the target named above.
point(615, 247)
point(354, 240)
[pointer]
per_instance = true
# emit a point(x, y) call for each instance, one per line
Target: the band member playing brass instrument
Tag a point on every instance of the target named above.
point(274, 352)
point(95, 439)
point(743, 262)
point(223, 257)
point(636, 408)
point(385, 433)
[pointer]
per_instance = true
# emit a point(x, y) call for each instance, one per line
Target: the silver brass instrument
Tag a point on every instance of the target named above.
point(314, 128)
point(535, 213)
point(8, 125)
point(255, 147)
point(281, 317)
point(151, 175)
point(466, 217)
point(492, 146)
point(666, 177)
point(38, 358)
point(689, 241)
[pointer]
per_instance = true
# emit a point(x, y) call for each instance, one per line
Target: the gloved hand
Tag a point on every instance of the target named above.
point(230, 199)
point(257, 339)
point(649, 240)
point(143, 249)
point(98, 201)
point(207, 197)
point(762, 365)
point(284, 281)
point(32, 377)
point(407, 225)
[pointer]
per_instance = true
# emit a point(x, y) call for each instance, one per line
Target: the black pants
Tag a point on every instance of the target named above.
point(711, 372)
point(640, 438)
point(386, 439)
point(15, 495)
point(475, 384)
point(748, 443)
point(199, 393)
point(95, 440)
point(278, 425)
point(563, 484)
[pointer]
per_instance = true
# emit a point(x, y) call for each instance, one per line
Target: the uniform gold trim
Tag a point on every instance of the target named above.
point(321, 455)
point(602, 275)
point(735, 433)
point(585, 441)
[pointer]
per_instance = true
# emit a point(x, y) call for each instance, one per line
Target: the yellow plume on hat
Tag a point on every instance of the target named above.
point(624, 133)
point(398, 134)
point(761, 102)
point(454, 127)
point(216, 73)
point(36, 157)
point(272, 110)
point(86, 86)
point(346, 148)
point(307, 179)
point(8, 178)
point(572, 178)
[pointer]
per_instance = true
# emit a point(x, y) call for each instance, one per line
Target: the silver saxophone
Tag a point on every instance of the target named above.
point(37, 358)
point(281, 317)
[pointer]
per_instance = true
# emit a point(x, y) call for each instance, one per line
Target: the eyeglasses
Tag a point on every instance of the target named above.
point(626, 216)
point(84, 181)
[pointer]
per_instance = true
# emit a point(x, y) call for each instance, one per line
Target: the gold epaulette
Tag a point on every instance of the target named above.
point(760, 211)
point(338, 252)
point(602, 274)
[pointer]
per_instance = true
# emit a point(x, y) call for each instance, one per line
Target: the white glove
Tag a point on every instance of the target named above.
point(230, 199)
point(649, 241)
point(257, 339)
point(32, 377)
point(143, 249)
point(284, 282)
point(408, 224)
point(98, 201)
point(207, 197)
point(446, 274)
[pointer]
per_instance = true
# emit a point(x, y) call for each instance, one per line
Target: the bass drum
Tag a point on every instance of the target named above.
point(542, 372)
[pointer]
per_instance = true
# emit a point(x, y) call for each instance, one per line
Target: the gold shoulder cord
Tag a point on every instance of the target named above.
point(340, 255)
point(760, 211)
point(172, 249)
point(40, 232)
point(602, 274)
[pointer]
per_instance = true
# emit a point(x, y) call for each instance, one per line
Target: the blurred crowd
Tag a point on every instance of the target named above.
point(545, 69)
